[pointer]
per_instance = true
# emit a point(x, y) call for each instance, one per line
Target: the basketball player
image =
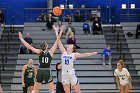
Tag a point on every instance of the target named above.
point(68, 72)
point(28, 74)
point(45, 58)
point(59, 86)
point(123, 78)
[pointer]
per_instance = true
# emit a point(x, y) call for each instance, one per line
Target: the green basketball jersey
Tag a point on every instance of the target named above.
point(29, 74)
point(45, 60)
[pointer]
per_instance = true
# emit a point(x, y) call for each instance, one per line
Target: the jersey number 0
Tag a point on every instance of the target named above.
point(44, 59)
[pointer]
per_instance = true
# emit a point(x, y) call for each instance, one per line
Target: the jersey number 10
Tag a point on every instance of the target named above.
point(44, 59)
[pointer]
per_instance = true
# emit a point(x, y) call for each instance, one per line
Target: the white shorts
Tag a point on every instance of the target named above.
point(124, 82)
point(69, 77)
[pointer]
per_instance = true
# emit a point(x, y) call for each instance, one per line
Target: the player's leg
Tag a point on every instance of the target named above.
point(66, 88)
point(74, 81)
point(36, 87)
point(31, 87)
point(59, 88)
point(39, 79)
point(65, 82)
point(48, 80)
point(121, 89)
point(25, 88)
point(51, 87)
point(126, 88)
point(77, 88)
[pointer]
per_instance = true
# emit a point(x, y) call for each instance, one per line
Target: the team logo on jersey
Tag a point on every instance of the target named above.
point(67, 57)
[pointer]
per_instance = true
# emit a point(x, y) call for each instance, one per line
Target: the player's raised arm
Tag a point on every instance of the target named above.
point(79, 55)
point(52, 50)
point(62, 49)
point(28, 46)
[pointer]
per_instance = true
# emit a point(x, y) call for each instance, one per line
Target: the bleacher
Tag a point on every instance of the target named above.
point(1, 29)
point(133, 44)
point(93, 76)
point(9, 49)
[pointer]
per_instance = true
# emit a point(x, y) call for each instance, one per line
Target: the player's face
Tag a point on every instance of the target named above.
point(119, 66)
point(30, 62)
point(46, 46)
point(70, 47)
point(108, 47)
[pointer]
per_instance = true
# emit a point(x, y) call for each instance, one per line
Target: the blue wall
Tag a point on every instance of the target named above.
point(16, 7)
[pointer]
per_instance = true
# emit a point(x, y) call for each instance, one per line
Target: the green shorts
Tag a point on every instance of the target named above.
point(29, 82)
point(44, 75)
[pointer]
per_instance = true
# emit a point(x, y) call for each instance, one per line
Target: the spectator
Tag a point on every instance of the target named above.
point(41, 18)
point(59, 86)
point(67, 18)
point(77, 16)
point(106, 54)
point(138, 31)
point(69, 29)
point(86, 28)
point(72, 40)
point(29, 40)
point(1, 18)
point(49, 22)
point(96, 27)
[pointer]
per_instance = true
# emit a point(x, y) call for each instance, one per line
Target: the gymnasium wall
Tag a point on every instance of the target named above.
point(16, 7)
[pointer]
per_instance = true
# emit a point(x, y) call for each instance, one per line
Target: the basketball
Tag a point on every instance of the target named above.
point(57, 11)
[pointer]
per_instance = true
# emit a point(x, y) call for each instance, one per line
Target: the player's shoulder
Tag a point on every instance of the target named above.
point(116, 70)
point(125, 69)
point(64, 53)
point(25, 67)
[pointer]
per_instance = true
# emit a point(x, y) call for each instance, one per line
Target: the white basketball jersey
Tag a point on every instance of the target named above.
point(123, 76)
point(67, 61)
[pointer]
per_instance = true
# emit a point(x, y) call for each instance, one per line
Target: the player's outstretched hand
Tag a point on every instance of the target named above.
point(19, 35)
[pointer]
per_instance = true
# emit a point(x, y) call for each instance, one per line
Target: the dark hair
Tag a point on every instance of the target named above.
point(43, 46)
point(121, 62)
